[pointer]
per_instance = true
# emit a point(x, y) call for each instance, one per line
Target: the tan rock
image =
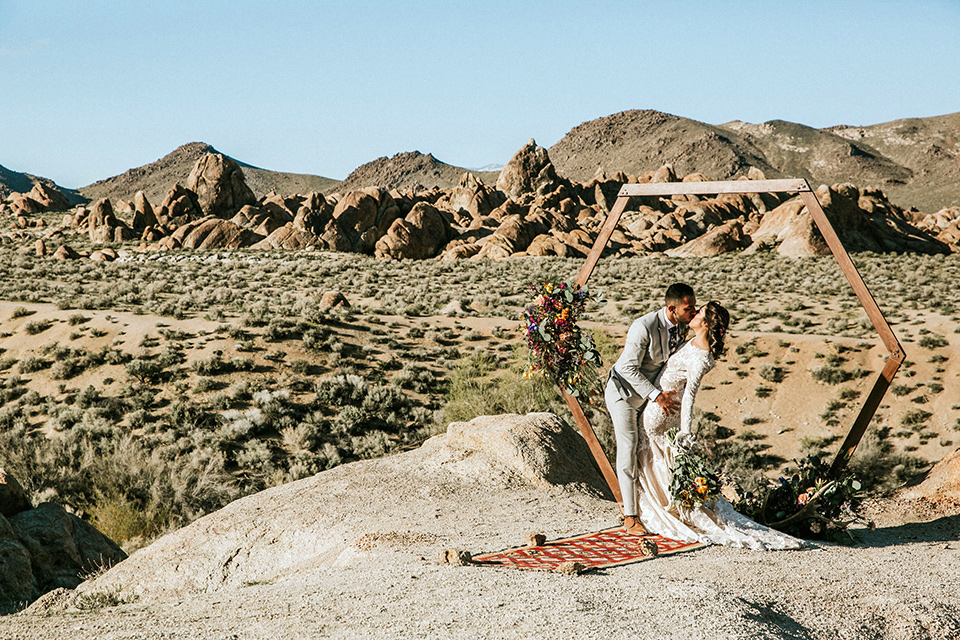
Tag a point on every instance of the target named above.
point(220, 186)
point(64, 252)
point(421, 234)
point(722, 239)
point(528, 171)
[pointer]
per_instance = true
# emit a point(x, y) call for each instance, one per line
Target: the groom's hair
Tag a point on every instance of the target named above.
point(677, 292)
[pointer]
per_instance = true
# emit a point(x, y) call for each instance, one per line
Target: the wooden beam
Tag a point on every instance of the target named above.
point(598, 455)
point(853, 276)
point(863, 419)
point(613, 218)
point(714, 188)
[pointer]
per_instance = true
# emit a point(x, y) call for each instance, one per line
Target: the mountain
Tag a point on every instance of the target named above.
point(14, 181)
point(915, 161)
point(408, 170)
point(156, 178)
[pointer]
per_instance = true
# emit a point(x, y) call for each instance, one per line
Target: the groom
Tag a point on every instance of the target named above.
point(650, 341)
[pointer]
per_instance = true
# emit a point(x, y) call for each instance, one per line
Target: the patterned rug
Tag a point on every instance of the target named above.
point(607, 548)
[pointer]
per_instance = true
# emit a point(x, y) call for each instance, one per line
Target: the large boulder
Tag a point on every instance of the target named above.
point(220, 186)
point(528, 171)
point(864, 220)
point(722, 239)
point(179, 207)
point(51, 198)
point(215, 233)
point(448, 486)
point(361, 218)
point(102, 222)
point(143, 215)
point(17, 582)
point(471, 198)
point(513, 235)
point(60, 546)
point(421, 234)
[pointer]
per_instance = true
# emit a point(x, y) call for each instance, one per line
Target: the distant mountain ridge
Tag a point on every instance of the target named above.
point(158, 177)
point(915, 161)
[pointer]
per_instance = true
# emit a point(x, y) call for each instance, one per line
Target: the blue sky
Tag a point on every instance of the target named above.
point(91, 88)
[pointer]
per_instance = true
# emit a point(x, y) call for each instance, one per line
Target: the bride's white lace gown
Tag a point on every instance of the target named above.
point(715, 523)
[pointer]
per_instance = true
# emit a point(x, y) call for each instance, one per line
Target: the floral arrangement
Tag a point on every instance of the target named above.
point(692, 481)
point(808, 504)
point(558, 349)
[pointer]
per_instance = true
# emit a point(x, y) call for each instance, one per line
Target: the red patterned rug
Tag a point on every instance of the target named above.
point(608, 548)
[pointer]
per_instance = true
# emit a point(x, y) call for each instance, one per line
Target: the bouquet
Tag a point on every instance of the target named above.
point(692, 481)
point(558, 349)
point(808, 504)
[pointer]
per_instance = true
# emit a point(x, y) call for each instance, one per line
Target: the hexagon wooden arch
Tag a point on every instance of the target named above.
point(895, 357)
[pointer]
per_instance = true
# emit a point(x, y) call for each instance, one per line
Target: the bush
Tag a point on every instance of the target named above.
point(932, 341)
point(830, 374)
point(30, 364)
point(37, 326)
point(771, 373)
point(21, 312)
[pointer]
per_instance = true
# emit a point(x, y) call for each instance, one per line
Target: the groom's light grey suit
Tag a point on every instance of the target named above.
point(629, 386)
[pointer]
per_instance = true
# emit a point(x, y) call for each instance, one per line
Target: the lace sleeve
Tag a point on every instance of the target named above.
point(698, 368)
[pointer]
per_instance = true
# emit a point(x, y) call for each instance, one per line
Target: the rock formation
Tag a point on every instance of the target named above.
point(44, 548)
point(219, 184)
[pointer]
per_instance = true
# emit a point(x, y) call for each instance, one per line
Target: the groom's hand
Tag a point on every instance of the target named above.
point(668, 402)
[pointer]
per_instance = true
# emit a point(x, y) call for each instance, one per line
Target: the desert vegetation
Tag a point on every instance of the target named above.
point(145, 392)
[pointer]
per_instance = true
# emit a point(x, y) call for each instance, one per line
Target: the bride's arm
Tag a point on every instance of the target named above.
point(694, 376)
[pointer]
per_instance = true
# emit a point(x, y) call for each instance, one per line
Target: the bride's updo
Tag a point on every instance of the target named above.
point(717, 320)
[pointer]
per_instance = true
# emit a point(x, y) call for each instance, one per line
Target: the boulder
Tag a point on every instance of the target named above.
point(17, 583)
point(421, 234)
point(49, 197)
point(722, 239)
point(61, 546)
point(332, 299)
point(865, 221)
point(22, 203)
point(216, 233)
point(143, 215)
point(941, 485)
point(180, 206)
point(290, 237)
point(40, 248)
point(361, 218)
point(64, 252)
point(220, 186)
point(513, 235)
point(472, 197)
point(13, 499)
point(528, 171)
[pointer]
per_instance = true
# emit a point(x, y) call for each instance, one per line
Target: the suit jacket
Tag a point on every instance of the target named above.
point(645, 353)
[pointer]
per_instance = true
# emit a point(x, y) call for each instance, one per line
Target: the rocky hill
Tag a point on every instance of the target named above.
point(915, 161)
point(408, 171)
point(157, 178)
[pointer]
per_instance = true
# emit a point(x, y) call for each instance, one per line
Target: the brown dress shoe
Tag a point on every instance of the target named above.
point(633, 526)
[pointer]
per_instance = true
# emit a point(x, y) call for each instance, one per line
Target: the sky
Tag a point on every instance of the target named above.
point(91, 88)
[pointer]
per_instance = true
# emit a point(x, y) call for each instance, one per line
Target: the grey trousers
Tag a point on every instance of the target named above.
point(626, 417)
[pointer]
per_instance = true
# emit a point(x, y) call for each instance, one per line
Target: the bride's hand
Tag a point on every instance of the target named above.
point(685, 441)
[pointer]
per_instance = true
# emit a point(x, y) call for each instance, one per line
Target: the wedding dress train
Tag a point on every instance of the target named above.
point(712, 523)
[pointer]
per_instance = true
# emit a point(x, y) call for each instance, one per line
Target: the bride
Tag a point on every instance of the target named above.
point(713, 522)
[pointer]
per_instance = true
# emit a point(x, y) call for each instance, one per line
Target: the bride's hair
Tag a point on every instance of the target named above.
point(718, 321)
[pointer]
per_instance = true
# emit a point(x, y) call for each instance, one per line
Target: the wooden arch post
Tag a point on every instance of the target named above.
point(895, 355)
